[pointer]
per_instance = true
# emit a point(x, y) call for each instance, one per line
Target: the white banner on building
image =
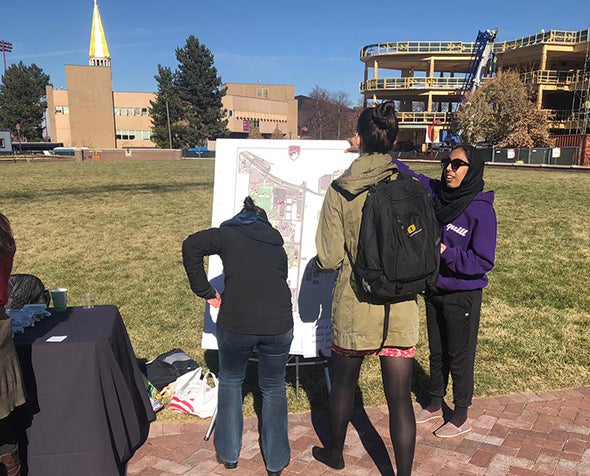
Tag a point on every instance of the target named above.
point(289, 180)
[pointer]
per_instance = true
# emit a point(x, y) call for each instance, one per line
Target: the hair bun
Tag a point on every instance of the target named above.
point(249, 203)
point(383, 114)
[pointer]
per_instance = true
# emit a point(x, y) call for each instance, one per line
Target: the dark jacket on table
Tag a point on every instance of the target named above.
point(256, 299)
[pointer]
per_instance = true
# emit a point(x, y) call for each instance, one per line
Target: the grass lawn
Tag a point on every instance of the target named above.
point(116, 228)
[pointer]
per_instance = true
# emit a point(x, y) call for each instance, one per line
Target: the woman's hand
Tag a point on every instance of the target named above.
point(354, 142)
point(443, 247)
point(215, 301)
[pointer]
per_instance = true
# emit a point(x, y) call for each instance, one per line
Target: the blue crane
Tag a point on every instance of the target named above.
point(482, 56)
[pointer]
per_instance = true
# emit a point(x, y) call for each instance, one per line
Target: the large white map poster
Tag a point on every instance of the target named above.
point(289, 180)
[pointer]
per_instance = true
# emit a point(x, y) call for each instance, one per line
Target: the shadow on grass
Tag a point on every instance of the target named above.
point(76, 191)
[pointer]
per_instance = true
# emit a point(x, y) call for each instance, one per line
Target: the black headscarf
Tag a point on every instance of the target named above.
point(450, 203)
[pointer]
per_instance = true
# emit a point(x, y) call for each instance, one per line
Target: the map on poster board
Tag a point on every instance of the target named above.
point(289, 180)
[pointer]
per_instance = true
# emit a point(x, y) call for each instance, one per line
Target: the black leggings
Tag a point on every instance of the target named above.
point(396, 374)
point(453, 324)
point(7, 437)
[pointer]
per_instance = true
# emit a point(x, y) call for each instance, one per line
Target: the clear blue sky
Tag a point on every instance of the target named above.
point(304, 43)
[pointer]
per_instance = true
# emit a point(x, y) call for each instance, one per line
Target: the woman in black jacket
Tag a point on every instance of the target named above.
point(255, 312)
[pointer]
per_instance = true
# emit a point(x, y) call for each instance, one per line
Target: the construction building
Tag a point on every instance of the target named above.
point(428, 79)
point(88, 113)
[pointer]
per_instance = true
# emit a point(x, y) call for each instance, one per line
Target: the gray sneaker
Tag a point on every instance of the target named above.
point(449, 430)
point(423, 414)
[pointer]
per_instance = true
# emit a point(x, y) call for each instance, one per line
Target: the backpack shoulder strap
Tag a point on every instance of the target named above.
point(345, 193)
point(404, 176)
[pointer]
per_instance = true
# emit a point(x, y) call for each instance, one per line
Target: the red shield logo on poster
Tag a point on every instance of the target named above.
point(294, 151)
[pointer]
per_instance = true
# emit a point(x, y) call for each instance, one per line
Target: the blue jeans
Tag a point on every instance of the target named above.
point(273, 353)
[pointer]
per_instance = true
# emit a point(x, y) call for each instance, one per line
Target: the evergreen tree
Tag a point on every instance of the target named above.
point(23, 100)
point(166, 106)
point(194, 94)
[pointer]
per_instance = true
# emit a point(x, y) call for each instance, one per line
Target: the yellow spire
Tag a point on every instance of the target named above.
point(98, 55)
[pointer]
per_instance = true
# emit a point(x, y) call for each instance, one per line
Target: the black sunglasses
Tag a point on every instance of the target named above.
point(455, 164)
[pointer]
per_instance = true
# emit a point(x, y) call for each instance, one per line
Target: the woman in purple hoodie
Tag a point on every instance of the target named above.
point(468, 220)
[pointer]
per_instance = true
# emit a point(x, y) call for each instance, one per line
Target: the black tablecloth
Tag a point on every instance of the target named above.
point(87, 409)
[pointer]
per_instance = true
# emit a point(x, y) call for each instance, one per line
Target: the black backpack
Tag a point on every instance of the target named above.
point(398, 250)
point(26, 289)
point(167, 367)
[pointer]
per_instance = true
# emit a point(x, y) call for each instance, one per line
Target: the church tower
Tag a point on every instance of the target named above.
point(98, 54)
point(89, 121)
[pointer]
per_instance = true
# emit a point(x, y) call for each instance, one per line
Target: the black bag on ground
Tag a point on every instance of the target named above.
point(26, 289)
point(167, 367)
point(399, 242)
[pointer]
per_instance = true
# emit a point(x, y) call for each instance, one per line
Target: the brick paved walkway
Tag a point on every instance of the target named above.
point(526, 434)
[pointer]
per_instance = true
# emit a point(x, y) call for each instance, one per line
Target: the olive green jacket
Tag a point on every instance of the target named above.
point(12, 392)
point(356, 324)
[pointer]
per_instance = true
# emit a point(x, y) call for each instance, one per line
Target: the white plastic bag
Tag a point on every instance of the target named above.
point(193, 395)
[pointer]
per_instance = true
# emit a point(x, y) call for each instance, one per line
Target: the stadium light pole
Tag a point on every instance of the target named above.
point(168, 122)
point(5, 47)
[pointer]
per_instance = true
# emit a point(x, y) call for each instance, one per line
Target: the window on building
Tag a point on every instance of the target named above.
point(262, 93)
point(133, 135)
point(123, 111)
point(59, 109)
point(2, 143)
point(137, 111)
point(144, 111)
point(130, 111)
point(66, 109)
point(116, 111)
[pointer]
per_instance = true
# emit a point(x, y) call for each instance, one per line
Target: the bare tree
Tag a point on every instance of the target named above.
point(500, 112)
point(324, 115)
point(320, 99)
point(277, 133)
point(342, 104)
point(254, 132)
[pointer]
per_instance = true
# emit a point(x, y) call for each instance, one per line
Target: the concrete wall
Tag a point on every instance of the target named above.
point(271, 105)
point(131, 115)
point(90, 99)
point(128, 154)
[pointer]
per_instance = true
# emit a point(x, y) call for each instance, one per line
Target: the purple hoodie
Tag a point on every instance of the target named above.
point(470, 239)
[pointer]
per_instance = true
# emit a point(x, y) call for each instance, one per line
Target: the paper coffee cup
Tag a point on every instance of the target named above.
point(59, 296)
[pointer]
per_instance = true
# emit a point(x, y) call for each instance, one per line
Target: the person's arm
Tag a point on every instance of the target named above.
point(330, 233)
point(194, 249)
point(480, 258)
point(428, 182)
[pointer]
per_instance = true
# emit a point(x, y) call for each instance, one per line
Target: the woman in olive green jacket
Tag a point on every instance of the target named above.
point(357, 324)
point(12, 392)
